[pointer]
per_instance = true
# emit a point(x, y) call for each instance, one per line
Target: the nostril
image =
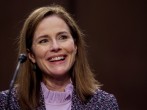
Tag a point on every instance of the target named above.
point(56, 49)
point(55, 46)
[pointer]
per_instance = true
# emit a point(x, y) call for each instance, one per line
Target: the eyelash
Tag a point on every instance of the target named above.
point(62, 37)
point(43, 41)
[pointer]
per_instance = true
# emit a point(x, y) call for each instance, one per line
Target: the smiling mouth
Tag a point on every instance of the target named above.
point(58, 58)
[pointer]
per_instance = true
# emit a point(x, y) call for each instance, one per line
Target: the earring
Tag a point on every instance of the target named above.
point(34, 67)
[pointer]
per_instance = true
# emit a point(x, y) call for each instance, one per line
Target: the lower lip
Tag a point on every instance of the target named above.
point(58, 62)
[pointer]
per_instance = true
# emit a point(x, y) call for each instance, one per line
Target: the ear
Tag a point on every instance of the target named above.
point(31, 56)
point(75, 49)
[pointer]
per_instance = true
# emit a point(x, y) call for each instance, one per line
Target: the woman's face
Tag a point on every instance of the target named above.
point(53, 47)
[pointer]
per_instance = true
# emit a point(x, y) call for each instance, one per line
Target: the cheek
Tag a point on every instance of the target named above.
point(39, 51)
point(71, 48)
point(74, 50)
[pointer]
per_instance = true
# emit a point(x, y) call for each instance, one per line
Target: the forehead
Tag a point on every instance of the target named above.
point(52, 21)
point(51, 24)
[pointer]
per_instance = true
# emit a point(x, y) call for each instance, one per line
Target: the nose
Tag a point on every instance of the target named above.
point(55, 46)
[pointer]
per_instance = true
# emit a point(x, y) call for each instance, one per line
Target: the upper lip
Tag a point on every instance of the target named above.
point(59, 55)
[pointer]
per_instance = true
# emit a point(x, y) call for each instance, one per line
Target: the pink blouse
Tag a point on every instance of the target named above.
point(55, 100)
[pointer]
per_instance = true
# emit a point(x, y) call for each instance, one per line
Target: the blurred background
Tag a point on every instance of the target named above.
point(116, 34)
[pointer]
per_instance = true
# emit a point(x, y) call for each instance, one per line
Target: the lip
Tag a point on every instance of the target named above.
point(59, 55)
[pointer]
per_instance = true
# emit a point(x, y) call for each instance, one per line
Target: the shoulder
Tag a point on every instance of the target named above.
point(3, 99)
point(103, 95)
point(3, 96)
point(13, 103)
point(104, 100)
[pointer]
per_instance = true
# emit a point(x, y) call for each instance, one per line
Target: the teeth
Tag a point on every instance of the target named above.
point(57, 58)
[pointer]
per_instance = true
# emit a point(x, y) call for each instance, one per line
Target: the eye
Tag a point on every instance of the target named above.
point(43, 41)
point(63, 37)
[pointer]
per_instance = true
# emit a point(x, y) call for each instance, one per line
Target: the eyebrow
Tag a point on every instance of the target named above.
point(59, 33)
point(42, 36)
point(63, 32)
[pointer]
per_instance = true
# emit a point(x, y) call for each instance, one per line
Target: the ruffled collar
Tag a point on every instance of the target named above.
point(55, 97)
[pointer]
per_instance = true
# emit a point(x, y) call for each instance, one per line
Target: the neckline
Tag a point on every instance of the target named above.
point(56, 97)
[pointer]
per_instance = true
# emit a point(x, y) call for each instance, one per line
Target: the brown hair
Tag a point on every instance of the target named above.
point(28, 80)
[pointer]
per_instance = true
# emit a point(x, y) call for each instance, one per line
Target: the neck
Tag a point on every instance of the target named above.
point(56, 84)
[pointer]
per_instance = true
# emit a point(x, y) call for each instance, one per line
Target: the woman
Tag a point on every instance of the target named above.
point(56, 75)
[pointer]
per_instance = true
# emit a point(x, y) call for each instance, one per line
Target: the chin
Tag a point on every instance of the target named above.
point(59, 73)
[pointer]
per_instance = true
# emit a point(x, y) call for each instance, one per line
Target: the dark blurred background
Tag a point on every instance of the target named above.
point(116, 34)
